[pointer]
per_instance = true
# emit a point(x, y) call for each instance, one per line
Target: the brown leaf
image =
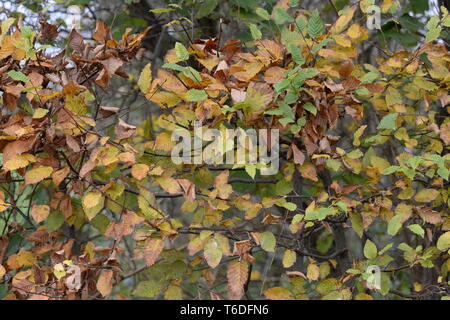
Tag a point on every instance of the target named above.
point(346, 68)
point(75, 40)
point(112, 65)
point(445, 133)
point(101, 33)
point(104, 282)
point(72, 144)
point(49, 32)
point(188, 189)
point(124, 130)
point(274, 74)
point(60, 175)
point(429, 215)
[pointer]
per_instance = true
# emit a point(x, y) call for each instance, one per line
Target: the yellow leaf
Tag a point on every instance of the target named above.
point(92, 199)
point(426, 195)
point(342, 22)
point(313, 272)
point(59, 271)
point(37, 175)
point(2, 271)
point(169, 184)
point(92, 204)
point(25, 258)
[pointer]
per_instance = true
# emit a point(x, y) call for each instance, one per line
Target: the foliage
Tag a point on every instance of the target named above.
point(363, 180)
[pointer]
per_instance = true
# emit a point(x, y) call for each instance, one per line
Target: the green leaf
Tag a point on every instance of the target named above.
point(333, 164)
point(147, 289)
point(281, 16)
point(310, 107)
point(315, 24)
point(370, 250)
point(433, 34)
point(290, 206)
point(388, 122)
point(192, 74)
point(395, 224)
point(280, 85)
point(55, 220)
point(341, 205)
point(18, 76)
point(181, 51)
point(268, 241)
point(370, 77)
point(306, 73)
point(274, 112)
point(195, 95)
point(174, 66)
point(296, 53)
point(286, 121)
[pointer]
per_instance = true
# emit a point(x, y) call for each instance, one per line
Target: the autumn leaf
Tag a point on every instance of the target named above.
point(289, 258)
point(37, 175)
point(145, 79)
point(237, 275)
point(2, 271)
point(268, 241)
point(213, 253)
point(139, 171)
point(370, 250)
point(426, 195)
point(152, 250)
point(278, 293)
point(313, 272)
